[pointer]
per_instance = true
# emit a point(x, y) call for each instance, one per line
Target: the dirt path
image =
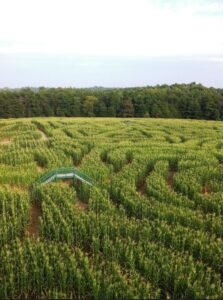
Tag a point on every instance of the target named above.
point(205, 190)
point(141, 187)
point(33, 226)
point(14, 187)
point(170, 178)
point(6, 141)
point(44, 137)
point(40, 169)
point(65, 182)
point(81, 205)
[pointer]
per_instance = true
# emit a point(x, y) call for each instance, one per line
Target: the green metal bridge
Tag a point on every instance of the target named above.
point(64, 173)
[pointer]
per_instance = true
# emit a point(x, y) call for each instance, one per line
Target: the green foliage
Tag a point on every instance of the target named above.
point(191, 101)
point(151, 227)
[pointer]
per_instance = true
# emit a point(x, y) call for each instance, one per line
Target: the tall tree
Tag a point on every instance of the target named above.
point(88, 106)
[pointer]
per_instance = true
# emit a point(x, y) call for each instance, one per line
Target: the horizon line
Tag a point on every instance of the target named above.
point(111, 87)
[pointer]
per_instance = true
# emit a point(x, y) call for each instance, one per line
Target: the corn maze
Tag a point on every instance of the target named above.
point(151, 227)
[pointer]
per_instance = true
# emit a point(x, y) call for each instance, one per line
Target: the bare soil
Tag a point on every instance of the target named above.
point(81, 205)
point(205, 190)
point(141, 187)
point(6, 141)
point(65, 182)
point(14, 187)
point(40, 169)
point(44, 137)
point(170, 178)
point(33, 226)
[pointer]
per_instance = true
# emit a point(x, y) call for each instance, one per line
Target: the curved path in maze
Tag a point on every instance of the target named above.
point(162, 212)
point(56, 174)
point(44, 137)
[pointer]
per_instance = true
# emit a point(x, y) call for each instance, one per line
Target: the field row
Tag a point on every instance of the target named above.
point(151, 227)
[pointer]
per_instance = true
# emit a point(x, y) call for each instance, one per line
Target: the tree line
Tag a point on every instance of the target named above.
point(192, 101)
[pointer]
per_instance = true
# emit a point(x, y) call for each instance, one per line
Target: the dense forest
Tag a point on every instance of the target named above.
point(192, 101)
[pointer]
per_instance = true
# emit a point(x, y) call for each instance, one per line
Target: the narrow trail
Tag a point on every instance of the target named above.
point(14, 187)
point(81, 205)
point(6, 141)
point(116, 170)
point(44, 137)
point(170, 178)
point(32, 229)
point(141, 187)
point(205, 190)
point(65, 182)
point(40, 169)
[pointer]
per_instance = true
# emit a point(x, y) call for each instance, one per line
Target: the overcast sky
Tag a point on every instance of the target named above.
point(110, 42)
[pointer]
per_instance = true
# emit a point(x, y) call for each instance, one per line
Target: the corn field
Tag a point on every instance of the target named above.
point(151, 227)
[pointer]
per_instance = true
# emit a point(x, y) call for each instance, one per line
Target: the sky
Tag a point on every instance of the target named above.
point(84, 43)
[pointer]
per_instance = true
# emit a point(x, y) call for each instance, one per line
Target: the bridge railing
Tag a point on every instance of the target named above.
point(64, 171)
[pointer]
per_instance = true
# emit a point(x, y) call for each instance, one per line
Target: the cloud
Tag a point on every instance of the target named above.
point(215, 59)
point(112, 27)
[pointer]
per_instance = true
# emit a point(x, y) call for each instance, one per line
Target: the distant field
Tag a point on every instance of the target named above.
point(151, 227)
